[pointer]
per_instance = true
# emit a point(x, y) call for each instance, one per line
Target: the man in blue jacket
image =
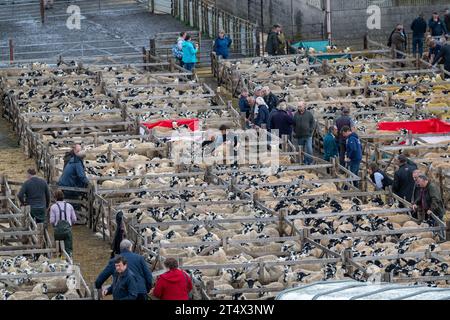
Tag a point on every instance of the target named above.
point(353, 151)
point(124, 286)
point(74, 175)
point(222, 45)
point(330, 147)
point(137, 266)
point(419, 27)
point(437, 26)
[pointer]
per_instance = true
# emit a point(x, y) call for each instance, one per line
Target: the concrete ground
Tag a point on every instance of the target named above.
point(107, 26)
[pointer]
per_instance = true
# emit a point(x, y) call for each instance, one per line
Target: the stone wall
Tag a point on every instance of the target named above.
point(349, 17)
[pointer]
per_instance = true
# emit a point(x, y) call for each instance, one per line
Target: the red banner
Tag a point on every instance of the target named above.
point(191, 123)
point(421, 126)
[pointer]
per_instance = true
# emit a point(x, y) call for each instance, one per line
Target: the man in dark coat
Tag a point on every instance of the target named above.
point(304, 125)
point(35, 193)
point(273, 44)
point(444, 54)
point(137, 266)
point(429, 198)
point(124, 286)
point(282, 121)
point(403, 178)
point(419, 27)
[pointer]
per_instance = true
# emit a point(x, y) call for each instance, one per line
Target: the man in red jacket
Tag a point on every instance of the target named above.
point(175, 284)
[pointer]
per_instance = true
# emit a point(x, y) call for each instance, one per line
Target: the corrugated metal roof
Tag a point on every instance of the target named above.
point(354, 290)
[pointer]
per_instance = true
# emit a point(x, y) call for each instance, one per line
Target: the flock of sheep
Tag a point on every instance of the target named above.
point(239, 233)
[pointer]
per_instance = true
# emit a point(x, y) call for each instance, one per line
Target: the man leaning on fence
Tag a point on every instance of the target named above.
point(35, 193)
point(429, 199)
point(74, 175)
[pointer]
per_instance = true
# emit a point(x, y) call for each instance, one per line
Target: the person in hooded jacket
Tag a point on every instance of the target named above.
point(222, 45)
point(136, 264)
point(175, 284)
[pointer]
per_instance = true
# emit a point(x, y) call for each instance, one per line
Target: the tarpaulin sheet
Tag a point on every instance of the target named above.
point(192, 124)
point(421, 126)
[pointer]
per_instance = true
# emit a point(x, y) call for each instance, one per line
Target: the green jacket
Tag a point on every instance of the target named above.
point(433, 199)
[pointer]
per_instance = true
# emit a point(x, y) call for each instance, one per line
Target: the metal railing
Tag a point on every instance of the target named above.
point(209, 20)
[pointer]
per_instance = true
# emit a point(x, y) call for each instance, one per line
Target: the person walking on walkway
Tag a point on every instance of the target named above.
point(35, 193)
point(136, 264)
point(189, 53)
point(124, 286)
point(222, 45)
point(175, 284)
point(419, 28)
point(303, 128)
point(62, 218)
